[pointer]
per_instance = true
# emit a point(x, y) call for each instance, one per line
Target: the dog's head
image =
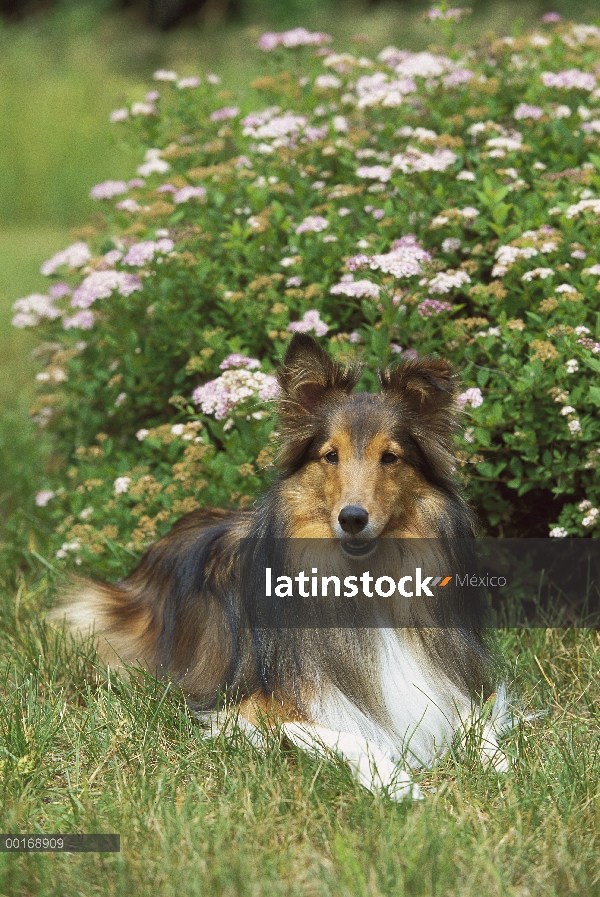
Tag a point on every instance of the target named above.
point(360, 463)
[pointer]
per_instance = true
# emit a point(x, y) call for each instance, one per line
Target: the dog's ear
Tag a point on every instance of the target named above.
point(307, 375)
point(426, 390)
point(307, 378)
point(426, 385)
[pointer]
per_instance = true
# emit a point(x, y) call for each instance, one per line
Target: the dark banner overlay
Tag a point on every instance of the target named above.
point(430, 583)
point(73, 843)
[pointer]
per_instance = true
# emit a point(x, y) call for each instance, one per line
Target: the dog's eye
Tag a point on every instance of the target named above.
point(331, 457)
point(389, 458)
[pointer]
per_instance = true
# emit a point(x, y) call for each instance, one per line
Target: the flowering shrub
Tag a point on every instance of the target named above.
point(444, 202)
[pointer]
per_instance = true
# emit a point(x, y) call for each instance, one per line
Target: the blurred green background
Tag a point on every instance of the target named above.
point(65, 65)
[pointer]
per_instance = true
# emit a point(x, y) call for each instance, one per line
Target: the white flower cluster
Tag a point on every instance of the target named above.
point(468, 213)
point(542, 273)
point(424, 135)
point(153, 163)
point(414, 159)
point(574, 423)
point(378, 89)
point(375, 172)
point(585, 205)
point(69, 546)
point(121, 485)
point(507, 256)
point(558, 532)
point(446, 281)
point(32, 309)
point(451, 244)
point(592, 513)
point(509, 143)
point(74, 256)
point(356, 288)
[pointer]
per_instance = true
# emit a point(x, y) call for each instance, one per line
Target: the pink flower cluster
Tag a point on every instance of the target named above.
point(140, 253)
point(81, 320)
point(189, 192)
point(569, 79)
point(296, 37)
point(225, 113)
point(218, 397)
point(310, 321)
point(523, 110)
point(235, 360)
point(404, 259)
point(314, 223)
point(430, 307)
point(589, 343)
point(457, 77)
point(471, 397)
point(448, 15)
point(108, 189)
point(192, 81)
point(100, 284)
point(357, 262)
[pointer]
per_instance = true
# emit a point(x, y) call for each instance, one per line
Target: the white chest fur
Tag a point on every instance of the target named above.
point(421, 710)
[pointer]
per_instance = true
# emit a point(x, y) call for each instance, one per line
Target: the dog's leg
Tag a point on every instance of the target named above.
point(373, 769)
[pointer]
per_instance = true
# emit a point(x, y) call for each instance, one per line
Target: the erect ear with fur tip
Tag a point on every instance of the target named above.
point(426, 385)
point(426, 389)
point(307, 377)
point(308, 374)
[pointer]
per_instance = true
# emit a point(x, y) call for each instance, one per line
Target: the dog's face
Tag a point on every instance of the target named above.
point(363, 465)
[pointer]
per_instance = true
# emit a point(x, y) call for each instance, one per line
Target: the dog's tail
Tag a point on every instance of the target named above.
point(118, 621)
point(178, 613)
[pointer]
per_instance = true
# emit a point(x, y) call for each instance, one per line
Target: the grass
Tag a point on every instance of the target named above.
point(80, 751)
point(87, 752)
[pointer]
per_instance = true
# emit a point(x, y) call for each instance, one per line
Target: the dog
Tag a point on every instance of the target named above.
point(355, 470)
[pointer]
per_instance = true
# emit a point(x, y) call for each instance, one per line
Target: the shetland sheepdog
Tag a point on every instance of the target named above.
point(355, 469)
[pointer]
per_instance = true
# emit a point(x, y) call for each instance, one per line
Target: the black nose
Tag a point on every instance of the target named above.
point(353, 519)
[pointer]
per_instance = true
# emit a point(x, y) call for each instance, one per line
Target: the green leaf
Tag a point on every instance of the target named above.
point(594, 394)
point(482, 436)
point(593, 363)
point(593, 157)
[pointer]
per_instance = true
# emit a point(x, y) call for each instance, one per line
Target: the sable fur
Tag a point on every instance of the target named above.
point(180, 611)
